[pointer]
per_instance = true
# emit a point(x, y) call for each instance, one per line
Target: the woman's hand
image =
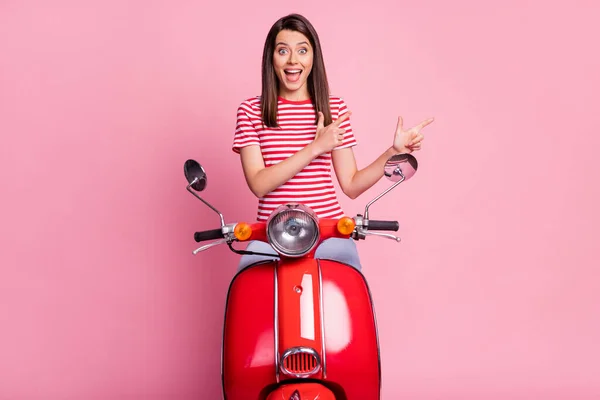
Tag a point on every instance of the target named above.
point(407, 141)
point(330, 136)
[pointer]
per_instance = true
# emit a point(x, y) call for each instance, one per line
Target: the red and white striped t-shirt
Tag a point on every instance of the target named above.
point(313, 186)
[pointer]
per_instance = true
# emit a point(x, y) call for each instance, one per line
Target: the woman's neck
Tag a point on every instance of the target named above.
point(298, 95)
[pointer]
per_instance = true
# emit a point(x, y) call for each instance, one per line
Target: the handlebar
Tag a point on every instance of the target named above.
point(208, 235)
point(375, 225)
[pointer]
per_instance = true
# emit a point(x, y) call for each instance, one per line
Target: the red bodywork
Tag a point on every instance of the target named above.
point(276, 306)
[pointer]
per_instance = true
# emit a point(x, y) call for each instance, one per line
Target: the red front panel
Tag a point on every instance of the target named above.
point(249, 339)
point(352, 356)
point(299, 316)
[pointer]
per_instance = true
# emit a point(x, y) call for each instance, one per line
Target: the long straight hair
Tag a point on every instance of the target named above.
point(318, 87)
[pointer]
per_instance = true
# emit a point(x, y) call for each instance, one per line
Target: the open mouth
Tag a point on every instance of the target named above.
point(292, 75)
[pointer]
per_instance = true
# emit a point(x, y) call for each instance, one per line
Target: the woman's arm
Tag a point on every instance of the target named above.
point(352, 181)
point(262, 180)
point(355, 182)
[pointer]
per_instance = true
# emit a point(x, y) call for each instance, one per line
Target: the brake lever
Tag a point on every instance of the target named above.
point(384, 235)
point(252, 253)
point(208, 246)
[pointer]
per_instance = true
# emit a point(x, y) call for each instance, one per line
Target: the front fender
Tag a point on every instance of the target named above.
point(301, 391)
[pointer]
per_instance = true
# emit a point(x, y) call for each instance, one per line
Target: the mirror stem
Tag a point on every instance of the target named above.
point(202, 200)
point(382, 194)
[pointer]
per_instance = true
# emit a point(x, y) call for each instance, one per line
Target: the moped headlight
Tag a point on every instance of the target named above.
point(293, 230)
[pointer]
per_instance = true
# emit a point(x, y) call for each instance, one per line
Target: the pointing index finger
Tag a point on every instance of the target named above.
point(425, 123)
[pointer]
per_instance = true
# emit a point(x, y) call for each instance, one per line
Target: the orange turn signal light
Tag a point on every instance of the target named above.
point(242, 231)
point(345, 225)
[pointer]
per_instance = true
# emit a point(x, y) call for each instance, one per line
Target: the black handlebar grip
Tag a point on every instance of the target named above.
point(383, 225)
point(208, 235)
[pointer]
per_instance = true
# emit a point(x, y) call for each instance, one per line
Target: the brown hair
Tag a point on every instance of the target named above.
point(318, 87)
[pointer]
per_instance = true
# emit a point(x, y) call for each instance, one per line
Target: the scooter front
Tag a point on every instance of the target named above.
point(296, 327)
point(300, 326)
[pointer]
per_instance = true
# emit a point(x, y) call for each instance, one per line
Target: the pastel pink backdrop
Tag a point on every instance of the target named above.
point(494, 292)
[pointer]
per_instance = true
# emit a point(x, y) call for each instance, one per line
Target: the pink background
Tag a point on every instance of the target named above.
point(494, 292)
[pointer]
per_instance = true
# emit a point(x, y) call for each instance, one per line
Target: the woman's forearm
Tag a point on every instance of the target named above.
point(355, 182)
point(365, 178)
point(267, 179)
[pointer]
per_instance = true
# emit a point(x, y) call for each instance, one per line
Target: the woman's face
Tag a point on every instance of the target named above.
point(293, 61)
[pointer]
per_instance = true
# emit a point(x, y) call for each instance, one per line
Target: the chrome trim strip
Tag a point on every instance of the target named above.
point(322, 318)
point(276, 324)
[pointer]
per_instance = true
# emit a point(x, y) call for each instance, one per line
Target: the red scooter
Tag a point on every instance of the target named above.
point(299, 328)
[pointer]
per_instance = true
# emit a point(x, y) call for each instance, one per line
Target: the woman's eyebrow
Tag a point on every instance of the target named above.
point(285, 44)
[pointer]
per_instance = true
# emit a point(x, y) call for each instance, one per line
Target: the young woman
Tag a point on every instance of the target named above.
point(290, 135)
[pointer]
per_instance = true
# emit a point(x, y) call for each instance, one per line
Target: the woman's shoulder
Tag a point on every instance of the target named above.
point(249, 108)
point(336, 100)
point(251, 102)
point(337, 104)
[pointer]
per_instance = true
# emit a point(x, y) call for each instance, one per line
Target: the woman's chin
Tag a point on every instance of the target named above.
point(292, 88)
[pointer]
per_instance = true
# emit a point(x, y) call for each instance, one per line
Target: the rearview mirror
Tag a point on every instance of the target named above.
point(400, 167)
point(195, 175)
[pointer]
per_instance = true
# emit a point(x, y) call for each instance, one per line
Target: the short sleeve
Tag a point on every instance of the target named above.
point(245, 133)
point(338, 104)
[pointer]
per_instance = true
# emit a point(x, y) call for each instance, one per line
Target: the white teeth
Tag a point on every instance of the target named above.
point(293, 71)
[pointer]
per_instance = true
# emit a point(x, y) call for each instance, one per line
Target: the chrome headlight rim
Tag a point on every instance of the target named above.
point(293, 207)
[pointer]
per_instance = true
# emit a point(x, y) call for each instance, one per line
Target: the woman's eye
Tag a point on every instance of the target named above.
point(302, 51)
point(282, 51)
